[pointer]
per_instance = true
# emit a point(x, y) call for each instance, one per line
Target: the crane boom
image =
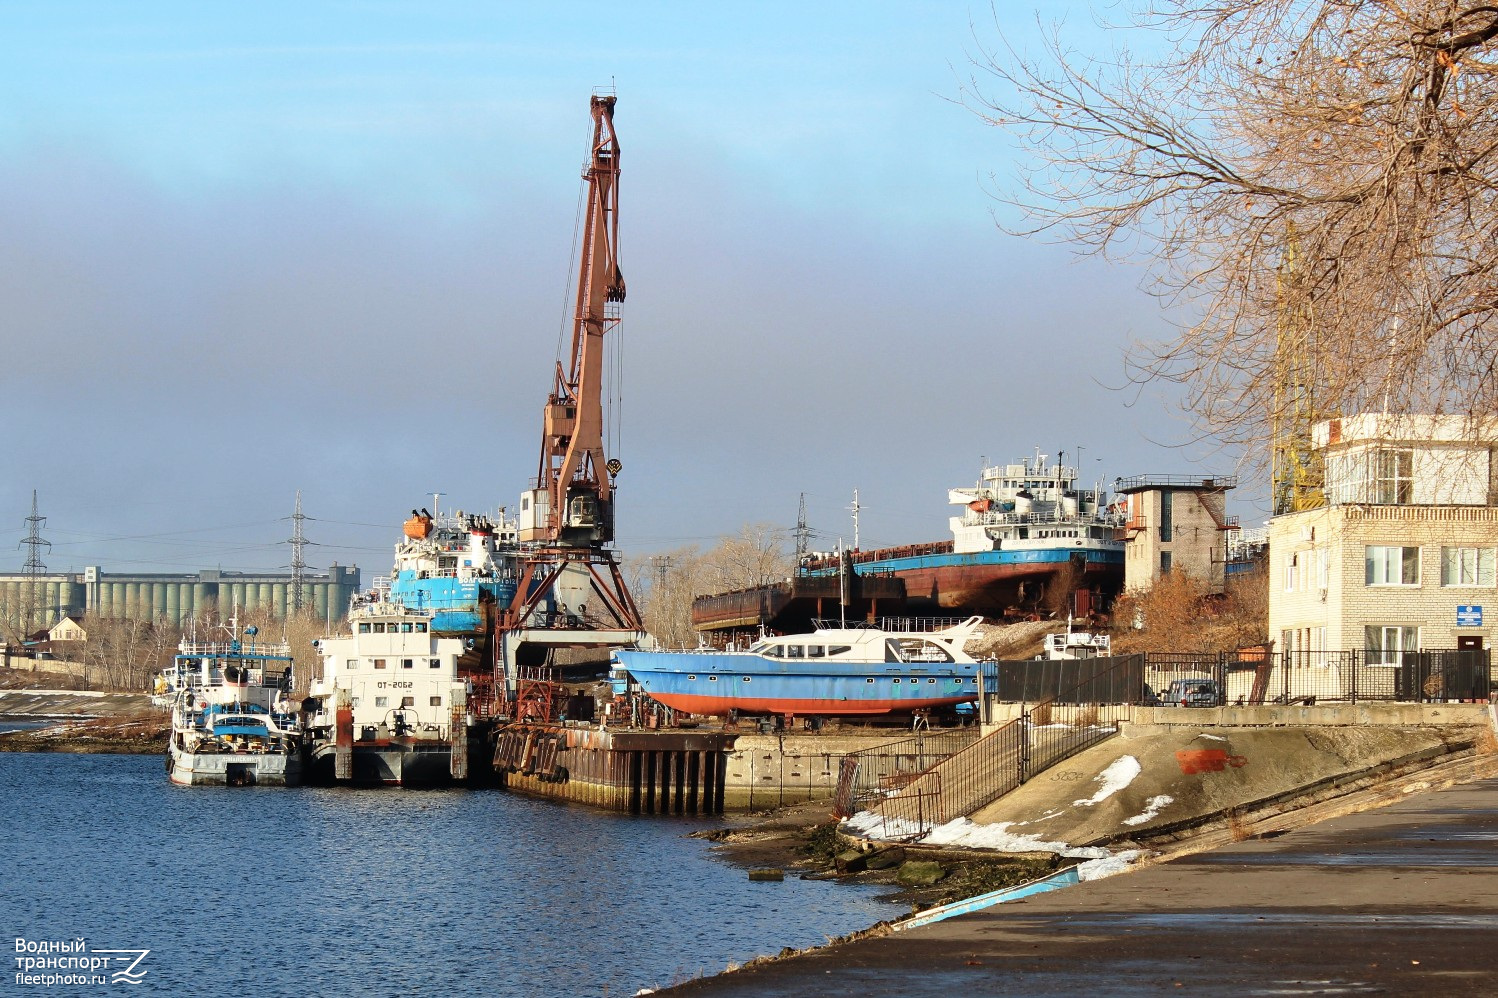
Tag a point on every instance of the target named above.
point(575, 483)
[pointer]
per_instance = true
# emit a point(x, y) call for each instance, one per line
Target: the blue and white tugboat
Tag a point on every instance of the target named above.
point(233, 722)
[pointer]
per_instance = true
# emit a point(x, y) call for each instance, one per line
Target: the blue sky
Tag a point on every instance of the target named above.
point(247, 249)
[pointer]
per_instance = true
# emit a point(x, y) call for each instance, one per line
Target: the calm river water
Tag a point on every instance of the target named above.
point(370, 893)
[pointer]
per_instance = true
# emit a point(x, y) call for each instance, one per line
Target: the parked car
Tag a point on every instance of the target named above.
point(1193, 693)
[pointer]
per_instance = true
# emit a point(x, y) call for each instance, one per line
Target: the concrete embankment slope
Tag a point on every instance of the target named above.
point(1401, 900)
point(65, 704)
point(1156, 782)
point(85, 721)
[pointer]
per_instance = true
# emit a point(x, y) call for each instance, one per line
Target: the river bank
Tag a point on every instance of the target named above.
point(80, 721)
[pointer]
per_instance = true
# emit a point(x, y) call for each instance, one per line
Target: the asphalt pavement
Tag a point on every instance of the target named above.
point(1400, 900)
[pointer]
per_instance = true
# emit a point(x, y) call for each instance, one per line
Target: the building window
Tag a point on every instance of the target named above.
point(382, 701)
point(379, 663)
point(351, 664)
point(407, 663)
point(1393, 477)
point(436, 663)
point(1384, 643)
point(1466, 566)
point(1323, 568)
point(1164, 562)
point(408, 701)
point(1292, 572)
point(436, 701)
point(1391, 566)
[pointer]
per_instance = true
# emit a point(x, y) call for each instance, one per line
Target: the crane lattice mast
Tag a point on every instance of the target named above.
point(1297, 471)
point(573, 471)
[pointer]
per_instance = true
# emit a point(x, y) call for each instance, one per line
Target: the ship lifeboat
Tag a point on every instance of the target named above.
point(418, 527)
point(980, 505)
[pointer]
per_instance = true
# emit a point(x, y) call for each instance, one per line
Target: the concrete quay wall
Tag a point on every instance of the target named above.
point(766, 771)
point(1364, 713)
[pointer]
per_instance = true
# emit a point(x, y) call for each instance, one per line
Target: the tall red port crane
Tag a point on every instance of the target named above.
point(573, 504)
point(567, 518)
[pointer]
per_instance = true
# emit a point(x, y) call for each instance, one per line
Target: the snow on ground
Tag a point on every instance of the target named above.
point(1113, 779)
point(1097, 869)
point(969, 834)
point(1152, 807)
point(1215, 738)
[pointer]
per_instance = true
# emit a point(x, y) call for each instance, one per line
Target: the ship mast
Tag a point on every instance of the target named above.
point(577, 480)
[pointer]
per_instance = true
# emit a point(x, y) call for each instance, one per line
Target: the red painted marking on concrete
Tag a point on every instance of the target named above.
point(1207, 760)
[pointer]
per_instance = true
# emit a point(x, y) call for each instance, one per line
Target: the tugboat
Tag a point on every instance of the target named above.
point(233, 723)
point(391, 705)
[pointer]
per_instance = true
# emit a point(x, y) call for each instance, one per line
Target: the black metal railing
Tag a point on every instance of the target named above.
point(1220, 679)
point(1081, 707)
point(875, 773)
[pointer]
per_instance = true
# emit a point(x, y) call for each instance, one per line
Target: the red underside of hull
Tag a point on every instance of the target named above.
point(987, 586)
point(719, 706)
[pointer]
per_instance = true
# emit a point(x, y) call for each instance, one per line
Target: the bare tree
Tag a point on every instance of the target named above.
point(667, 584)
point(757, 555)
point(1313, 184)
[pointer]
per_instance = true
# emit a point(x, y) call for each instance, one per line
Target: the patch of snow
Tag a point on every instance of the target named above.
point(873, 825)
point(1152, 807)
point(1107, 866)
point(969, 834)
point(1117, 776)
point(1215, 738)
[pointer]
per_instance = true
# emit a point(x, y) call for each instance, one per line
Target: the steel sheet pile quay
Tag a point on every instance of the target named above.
point(1401, 900)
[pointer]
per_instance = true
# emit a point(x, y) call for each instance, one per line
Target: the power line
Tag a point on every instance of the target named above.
point(298, 544)
point(33, 569)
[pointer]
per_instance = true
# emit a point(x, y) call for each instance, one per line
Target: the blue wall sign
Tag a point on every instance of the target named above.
point(1469, 616)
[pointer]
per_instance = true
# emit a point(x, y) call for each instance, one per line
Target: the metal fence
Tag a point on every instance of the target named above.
point(1438, 675)
point(1043, 734)
point(875, 773)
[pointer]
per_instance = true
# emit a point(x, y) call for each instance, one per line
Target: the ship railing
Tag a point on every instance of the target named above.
point(240, 649)
point(1002, 519)
point(895, 625)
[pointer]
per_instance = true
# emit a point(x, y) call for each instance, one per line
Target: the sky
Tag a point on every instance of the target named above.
point(248, 250)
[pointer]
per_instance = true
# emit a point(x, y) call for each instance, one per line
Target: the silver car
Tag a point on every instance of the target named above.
point(1192, 693)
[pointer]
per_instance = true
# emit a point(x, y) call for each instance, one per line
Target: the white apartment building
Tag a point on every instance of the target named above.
point(1402, 557)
